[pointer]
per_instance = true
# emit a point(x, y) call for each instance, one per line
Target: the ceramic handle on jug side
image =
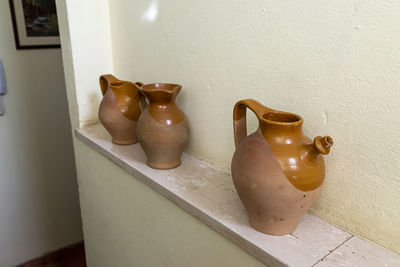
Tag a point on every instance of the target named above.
point(239, 117)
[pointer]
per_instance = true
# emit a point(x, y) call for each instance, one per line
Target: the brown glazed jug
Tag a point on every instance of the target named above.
point(277, 171)
point(163, 130)
point(119, 110)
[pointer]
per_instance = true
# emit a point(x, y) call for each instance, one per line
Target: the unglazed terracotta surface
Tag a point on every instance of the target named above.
point(120, 108)
point(163, 130)
point(277, 171)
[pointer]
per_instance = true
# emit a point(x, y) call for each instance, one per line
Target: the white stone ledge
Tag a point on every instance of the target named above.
point(209, 195)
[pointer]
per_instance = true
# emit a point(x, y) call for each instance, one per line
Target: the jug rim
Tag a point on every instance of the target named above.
point(120, 83)
point(164, 87)
point(281, 118)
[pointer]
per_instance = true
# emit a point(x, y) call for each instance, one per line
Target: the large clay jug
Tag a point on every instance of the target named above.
point(119, 110)
point(162, 128)
point(277, 171)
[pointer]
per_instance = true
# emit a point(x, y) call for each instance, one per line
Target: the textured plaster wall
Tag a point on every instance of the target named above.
point(39, 208)
point(336, 63)
point(86, 46)
point(120, 215)
point(86, 52)
point(126, 223)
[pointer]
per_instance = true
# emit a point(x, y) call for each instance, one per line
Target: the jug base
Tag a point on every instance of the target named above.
point(276, 228)
point(163, 166)
point(124, 142)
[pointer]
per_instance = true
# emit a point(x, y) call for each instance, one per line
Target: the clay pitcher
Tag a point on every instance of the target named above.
point(277, 171)
point(120, 109)
point(162, 128)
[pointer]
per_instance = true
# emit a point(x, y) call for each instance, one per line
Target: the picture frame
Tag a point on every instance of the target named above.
point(35, 24)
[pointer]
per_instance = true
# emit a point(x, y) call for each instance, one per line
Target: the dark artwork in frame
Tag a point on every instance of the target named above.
point(35, 24)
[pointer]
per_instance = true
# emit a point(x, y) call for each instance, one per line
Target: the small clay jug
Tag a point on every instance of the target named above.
point(277, 171)
point(119, 110)
point(163, 130)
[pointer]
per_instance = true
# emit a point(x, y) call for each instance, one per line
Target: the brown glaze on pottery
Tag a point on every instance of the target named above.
point(163, 130)
point(277, 171)
point(120, 109)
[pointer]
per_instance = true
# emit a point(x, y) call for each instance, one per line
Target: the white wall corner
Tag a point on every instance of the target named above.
point(87, 53)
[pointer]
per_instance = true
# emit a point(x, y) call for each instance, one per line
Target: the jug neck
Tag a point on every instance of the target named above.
point(281, 125)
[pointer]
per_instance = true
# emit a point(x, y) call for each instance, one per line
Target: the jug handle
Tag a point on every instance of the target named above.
point(105, 81)
point(142, 98)
point(239, 117)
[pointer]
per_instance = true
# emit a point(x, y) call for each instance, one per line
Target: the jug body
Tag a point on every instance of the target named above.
point(120, 109)
point(277, 171)
point(163, 129)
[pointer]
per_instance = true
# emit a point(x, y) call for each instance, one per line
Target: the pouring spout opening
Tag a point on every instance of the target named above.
point(281, 117)
point(323, 144)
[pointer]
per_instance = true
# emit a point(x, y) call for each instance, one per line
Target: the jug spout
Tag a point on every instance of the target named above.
point(161, 92)
point(323, 144)
point(105, 81)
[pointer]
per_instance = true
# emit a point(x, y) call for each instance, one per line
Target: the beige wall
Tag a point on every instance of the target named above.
point(120, 215)
point(126, 223)
point(336, 63)
point(39, 209)
point(86, 47)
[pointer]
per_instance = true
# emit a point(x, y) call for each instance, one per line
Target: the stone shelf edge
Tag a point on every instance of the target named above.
point(209, 195)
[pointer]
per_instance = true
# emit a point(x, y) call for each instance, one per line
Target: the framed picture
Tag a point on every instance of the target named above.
point(35, 24)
